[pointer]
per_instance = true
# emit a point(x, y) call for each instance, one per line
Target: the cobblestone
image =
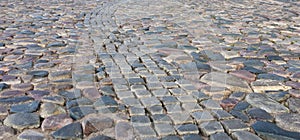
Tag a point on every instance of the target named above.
point(177, 63)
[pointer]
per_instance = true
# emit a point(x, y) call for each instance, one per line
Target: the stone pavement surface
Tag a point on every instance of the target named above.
point(147, 70)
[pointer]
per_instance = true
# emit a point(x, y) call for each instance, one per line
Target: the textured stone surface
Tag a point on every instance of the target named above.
point(91, 125)
point(288, 121)
point(177, 63)
point(234, 125)
point(225, 80)
point(211, 127)
point(6, 132)
point(23, 120)
point(70, 131)
point(55, 122)
point(245, 135)
point(265, 103)
point(31, 135)
point(219, 136)
point(273, 131)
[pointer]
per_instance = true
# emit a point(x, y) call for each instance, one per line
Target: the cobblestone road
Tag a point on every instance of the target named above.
point(147, 70)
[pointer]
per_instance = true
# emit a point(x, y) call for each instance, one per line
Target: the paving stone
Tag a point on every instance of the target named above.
point(169, 100)
point(169, 85)
point(22, 120)
point(3, 111)
point(70, 131)
point(161, 118)
point(38, 73)
point(211, 104)
point(79, 112)
point(202, 116)
point(245, 135)
point(59, 75)
point(200, 96)
point(221, 115)
point(210, 90)
point(278, 96)
point(296, 76)
point(140, 120)
point(101, 137)
point(191, 137)
point(157, 109)
point(271, 77)
point(226, 80)
point(112, 109)
point(12, 93)
point(136, 111)
point(260, 86)
point(56, 44)
point(105, 101)
point(294, 104)
point(238, 95)
point(173, 108)
point(54, 99)
point(6, 132)
point(135, 81)
point(15, 100)
point(25, 107)
point(49, 109)
point(124, 131)
point(137, 87)
point(265, 103)
point(211, 127)
point(228, 103)
point(259, 114)
point(38, 94)
point(154, 86)
point(171, 137)
point(274, 132)
point(142, 93)
point(55, 122)
point(91, 93)
point(241, 106)
point(181, 118)
point(81, 77)
point(92, 124)
point(144, 131)
point(192, 107)
point(22, 86)
point(150, 101)
point(131, 102)
point(70, 95)
point(288, 121)
point(79, 102)
point(30, 135)
point(240, 115)
point(186, 98)
point(295, 85)
point(125, 94)
point(3, 86)
point(164, 129)
point(107, 90)
point(219, 136)
point(177, 92)
point(187, 129)
point(234, 125)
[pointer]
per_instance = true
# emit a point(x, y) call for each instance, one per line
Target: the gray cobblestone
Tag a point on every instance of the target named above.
point(181, 118)
point(187, 129)
point(211, 127)
point(234, 125)
point(164, 129)
point(144, 131)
